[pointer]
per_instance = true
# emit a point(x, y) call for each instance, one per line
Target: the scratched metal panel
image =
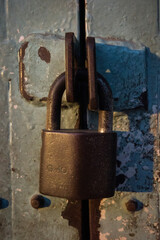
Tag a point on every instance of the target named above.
point(125, 225)
point(125, 20)
point(25, 17)
point(39, 79)
point(123, 64)
point(19, 174)
point(138, 131)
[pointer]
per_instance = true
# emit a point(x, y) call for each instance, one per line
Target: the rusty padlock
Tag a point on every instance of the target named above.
point(78, 164)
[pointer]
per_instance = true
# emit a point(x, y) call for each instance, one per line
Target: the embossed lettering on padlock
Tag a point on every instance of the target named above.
point(78, 164)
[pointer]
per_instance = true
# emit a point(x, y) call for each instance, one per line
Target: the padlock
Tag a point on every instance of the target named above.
point(76, 163)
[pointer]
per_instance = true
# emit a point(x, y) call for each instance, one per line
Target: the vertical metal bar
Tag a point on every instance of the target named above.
point(85, 220)
point(92, 79)
point(83, 101)
point(85, 231)
point(82, 34)
point(89, 208)
point(70, 67)
point(94, 216)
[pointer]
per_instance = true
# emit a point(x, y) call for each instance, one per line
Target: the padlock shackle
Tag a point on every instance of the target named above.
point(105, 94)
point(54, 103)
point(55, 98)
point(105, 117)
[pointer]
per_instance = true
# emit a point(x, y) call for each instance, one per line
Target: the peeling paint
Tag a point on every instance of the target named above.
point(21, 39)
point(138, 131)
point(119, 218)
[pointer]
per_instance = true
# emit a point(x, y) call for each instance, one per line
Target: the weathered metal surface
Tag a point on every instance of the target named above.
point(137, 162)
point(118, 223)
point(129, 86)
point(136, 172)
point(94, 218)
point(92, 76)
point(24, 18)
point(73, 171)
point(70, 67)
point(26, 122)
point(37, 201)
point(124, 65)
point(70, 167)
point(30, 223)
point(5, 173)
point(73, 213)
point(121, 178)
point(27, 73)
point(127, 20)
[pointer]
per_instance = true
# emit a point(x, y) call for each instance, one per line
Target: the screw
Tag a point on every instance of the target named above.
point(132, 205)
point(37, 201)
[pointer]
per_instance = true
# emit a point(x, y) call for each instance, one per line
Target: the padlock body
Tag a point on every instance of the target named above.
point(78, 164)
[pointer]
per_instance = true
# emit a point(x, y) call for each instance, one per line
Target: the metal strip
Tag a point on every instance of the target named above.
point(22, 84)
point(92, 79)
point(70, 68)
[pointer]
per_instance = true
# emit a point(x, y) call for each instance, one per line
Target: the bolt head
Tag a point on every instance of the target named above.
point(37, 201)
point(132, 205)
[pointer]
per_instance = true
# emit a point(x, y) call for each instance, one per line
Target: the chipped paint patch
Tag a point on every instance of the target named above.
point(135, 152)
point(21, 39)
point(119, 218)
point(121, 230)
point(103, 212)
point(127, 224)
point(15, 106)
point(18, 190)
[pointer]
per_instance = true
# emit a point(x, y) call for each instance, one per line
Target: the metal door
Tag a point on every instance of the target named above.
point(127, 54)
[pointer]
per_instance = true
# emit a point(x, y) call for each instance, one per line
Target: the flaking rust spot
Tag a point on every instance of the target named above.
point(44, 54)
point(22, 50)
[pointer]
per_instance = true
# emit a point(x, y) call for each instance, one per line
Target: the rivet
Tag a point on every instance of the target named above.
point(132, 205)
point(37, 201)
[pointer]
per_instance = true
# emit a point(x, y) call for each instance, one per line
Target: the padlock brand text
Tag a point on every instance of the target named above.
point(58, 169)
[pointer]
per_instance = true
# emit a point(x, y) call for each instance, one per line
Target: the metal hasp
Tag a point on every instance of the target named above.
point(22, 83)
point(78, 164)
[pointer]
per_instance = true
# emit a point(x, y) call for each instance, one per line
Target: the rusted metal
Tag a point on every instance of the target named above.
point(70, 67)
point(71, 70)
point(92, 76)
point(37, 201)
point(44, 54)
point(69, 166)
point(73, 213)
point(94, 217)
point(73, 171)
point(22, 83)
point(105, 120)
point(132, 205)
